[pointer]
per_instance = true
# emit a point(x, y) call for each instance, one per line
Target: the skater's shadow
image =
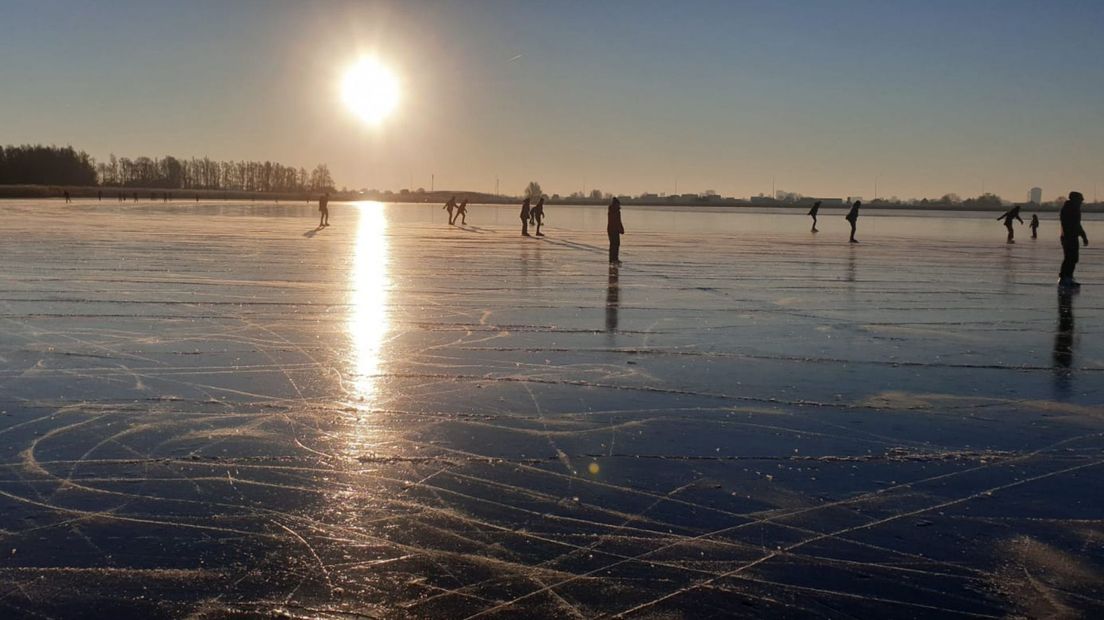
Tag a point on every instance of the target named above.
point(312, 232)
point(572, 244)
point(474, 229)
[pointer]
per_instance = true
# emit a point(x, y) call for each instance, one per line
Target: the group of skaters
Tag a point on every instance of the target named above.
point(533, 215)
point(852, 217)
point(1070, 217)
point(461, 211)
point(1071, 233)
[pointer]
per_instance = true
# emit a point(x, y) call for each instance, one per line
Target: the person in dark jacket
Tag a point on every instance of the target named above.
point(449, 206)
point(1011, 214)
point(462, 212)
point(536, 215)
point(324, 209)
point(1034, 226)
point(813, 213)
point(525, 212)
point(614, 228)
point(1070, 215)
point(852, 218)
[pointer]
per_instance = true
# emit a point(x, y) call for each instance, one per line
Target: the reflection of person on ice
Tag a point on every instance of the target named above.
point(1011, 214)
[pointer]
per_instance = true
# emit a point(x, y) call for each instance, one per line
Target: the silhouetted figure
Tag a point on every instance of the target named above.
point(324, 209)
point(852, 218)
point(614, 228)
point(197, 197)
point(613, 297)
point(1070, 215)
point(813, 213)
point(121, 199)
point(135, 196)
point(536, 215)
point(164, 196)
point(99, 196)
point(525, 212)
point(462, 212)
point(1034, 226)
point(450, 206)
point(68, 199)
point(1011, 214)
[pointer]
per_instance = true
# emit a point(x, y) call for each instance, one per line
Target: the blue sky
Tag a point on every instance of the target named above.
point(822, 97)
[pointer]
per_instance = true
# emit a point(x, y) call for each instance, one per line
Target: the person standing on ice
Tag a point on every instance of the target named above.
point(525, 213)
point(1070, 215)
point(536, 215)
point(462, 212)
point(1034, 226)
point(813, 213)
point(324, 209)
point(449, 206)
point(852, 217)
point(1011, 214)
point(614, 228)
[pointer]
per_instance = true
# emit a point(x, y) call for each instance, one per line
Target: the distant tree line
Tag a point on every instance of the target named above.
point(45, 165)
point(51, 165)
point(173, 173)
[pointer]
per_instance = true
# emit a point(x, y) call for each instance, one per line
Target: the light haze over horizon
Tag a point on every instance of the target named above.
point(824, 98)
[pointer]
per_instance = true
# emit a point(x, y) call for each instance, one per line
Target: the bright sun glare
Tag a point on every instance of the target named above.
point(370, 90)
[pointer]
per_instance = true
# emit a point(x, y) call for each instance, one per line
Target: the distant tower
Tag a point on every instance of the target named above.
point(1035, 195)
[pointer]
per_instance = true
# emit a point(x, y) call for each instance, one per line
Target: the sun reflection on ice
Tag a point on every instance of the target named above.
point(369, 317)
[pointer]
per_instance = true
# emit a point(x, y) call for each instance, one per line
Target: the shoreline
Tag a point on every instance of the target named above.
point(16, 192)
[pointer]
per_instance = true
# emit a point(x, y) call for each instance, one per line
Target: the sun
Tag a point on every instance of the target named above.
point(370, 90)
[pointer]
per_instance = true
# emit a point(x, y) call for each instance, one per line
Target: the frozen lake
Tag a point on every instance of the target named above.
point(215, 409)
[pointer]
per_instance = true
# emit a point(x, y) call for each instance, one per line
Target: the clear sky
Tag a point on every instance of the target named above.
point(821, 96)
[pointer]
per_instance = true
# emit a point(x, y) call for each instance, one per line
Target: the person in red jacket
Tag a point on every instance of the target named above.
point(614, 228)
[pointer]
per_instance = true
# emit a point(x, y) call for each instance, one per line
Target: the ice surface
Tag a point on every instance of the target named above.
point(215, 409)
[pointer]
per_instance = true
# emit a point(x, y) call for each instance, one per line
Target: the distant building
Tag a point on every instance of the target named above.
point(1035, 195)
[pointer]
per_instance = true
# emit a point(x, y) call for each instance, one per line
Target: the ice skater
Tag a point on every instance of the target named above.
point(813, 213)
point(536, 215)
point(462, 212)
point(1011, 214)
point(99, 195)
point(1034, 226)
point(1070, 216)
point(852, 218)
point(450, 206)
point(525, 213)
point(68, 199)
point(614, 228)
point(324, 209)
